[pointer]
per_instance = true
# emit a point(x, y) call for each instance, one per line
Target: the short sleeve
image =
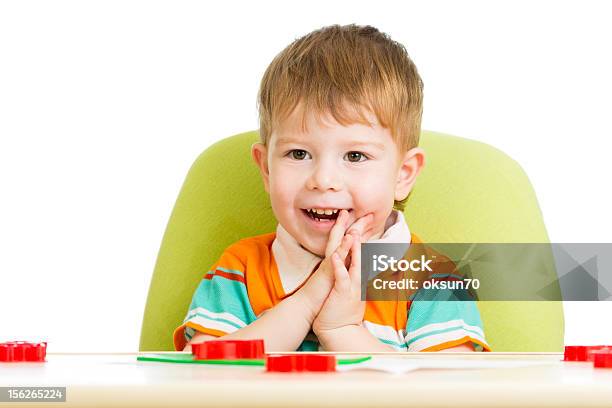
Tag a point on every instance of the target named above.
point(440, 324)
point(220, 304)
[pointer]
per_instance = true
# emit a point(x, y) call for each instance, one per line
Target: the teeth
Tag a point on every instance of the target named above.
point(326, 211)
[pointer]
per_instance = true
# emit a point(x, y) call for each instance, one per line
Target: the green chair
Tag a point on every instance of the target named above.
point(468, 192)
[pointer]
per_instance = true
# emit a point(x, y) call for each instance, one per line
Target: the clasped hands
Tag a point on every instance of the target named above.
point(335, 287)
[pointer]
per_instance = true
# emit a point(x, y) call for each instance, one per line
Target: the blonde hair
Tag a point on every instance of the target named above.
point(345, 71)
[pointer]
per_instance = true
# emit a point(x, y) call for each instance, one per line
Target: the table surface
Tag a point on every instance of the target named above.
point(119, 380)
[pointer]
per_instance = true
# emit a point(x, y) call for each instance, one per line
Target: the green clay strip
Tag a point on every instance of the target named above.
point(188, 359)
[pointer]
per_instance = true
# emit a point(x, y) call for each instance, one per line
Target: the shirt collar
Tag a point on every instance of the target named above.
point(295, 263)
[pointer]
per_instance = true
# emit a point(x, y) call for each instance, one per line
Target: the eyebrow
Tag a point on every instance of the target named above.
point(287, 141)
point(377, 145)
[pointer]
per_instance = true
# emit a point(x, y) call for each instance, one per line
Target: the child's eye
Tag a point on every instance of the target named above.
point(355, 157)
point(298, 154)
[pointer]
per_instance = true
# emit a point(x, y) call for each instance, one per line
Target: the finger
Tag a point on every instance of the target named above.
point(365, 235)
point(362, 225)
point(336, 233)
point(355, 268)
point(341, 275)
point(345, 247)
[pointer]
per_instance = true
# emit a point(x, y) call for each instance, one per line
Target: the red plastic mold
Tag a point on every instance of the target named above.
point(575, 353)
point(228, 350)
point(602, 358)
point(581, 353)
point(16, 351)
point(300, 363)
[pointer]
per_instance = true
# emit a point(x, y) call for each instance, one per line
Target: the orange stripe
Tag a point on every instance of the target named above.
point(453, 343)
point(230, 276)
point(179, 334)
point(206, 330)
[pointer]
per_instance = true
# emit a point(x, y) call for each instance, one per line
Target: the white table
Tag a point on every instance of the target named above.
point(119, 380)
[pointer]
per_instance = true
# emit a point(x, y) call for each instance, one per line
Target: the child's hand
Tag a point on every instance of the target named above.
point(343, 306)
point(317, 287)
point(198, 338)
point(336, 243)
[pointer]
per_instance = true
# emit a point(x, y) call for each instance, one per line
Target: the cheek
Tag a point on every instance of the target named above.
point(284, 187)
point(373, 197)
point(280, 195)
point(374, 193)
point(373, 186)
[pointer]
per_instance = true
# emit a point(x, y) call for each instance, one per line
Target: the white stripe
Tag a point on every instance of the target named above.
point(384, 332)
point(223, 315)
point(440, 338)
point(397, 347)
point(212, 324)
point(440, 326)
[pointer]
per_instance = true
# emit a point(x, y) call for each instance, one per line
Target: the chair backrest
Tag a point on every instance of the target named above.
point(468, 192)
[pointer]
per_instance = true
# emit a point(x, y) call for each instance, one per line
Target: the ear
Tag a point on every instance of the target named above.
point(410, 166)
point(259, 152)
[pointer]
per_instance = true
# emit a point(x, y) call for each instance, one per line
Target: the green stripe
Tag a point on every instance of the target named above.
point(392, 343)
point(217, 319)
point(420, 336)
point(188, 359)
point(222, 295)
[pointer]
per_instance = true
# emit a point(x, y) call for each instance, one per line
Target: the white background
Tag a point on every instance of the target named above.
point(105, 105)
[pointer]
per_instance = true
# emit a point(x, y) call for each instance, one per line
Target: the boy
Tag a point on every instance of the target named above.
point(340, 113)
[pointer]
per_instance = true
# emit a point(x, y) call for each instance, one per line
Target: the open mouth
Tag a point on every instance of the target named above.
point(322, 214)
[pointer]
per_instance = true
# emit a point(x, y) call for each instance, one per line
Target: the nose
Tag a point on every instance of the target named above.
point(325, 176)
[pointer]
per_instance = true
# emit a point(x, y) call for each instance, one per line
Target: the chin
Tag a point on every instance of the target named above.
point(318, 251)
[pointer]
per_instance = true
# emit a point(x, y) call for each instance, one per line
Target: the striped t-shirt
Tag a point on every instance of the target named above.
point(256, 273)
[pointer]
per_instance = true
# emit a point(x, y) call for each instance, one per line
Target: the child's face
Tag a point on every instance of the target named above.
point(333, 167)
